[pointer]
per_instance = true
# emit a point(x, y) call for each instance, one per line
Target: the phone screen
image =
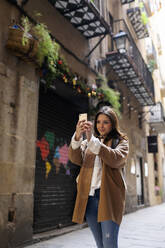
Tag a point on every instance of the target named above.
point(83, 117)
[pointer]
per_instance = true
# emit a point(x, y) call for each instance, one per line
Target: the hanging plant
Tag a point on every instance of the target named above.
point(20, 42)
point(151, 65)
point(34, 41)
point(144, 17)
point(106, 95)
point(26, 30)
point(113, 98)
point(47, 47)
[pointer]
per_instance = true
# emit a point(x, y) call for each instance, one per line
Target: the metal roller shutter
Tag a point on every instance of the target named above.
point(55, 186)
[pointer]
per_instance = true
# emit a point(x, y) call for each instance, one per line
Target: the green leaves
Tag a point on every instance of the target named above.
point(110, 95)
point(47, 47)
point(26, 29)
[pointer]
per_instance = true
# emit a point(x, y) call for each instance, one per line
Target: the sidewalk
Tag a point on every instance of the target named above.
point(143, 228)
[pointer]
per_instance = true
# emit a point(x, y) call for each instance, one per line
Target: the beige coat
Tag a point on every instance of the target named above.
point(112, 191)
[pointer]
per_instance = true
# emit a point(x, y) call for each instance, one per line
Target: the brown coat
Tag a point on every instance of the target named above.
point(112, 191)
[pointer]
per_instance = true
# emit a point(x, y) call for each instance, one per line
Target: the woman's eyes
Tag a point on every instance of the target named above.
point(104, 122)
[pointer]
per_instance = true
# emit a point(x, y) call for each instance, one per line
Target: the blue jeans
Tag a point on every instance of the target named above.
point(106, 232)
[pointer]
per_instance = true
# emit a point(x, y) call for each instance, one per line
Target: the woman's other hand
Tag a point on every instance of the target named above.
point(88, 128)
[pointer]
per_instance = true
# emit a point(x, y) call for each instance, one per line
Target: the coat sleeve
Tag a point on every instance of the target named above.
point(75, 155)
point(115, 158)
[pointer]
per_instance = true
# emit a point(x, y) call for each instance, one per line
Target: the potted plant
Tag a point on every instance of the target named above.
point(21, 42)
point(34, 42)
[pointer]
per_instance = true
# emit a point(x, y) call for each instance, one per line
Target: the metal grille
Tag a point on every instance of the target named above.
point(125, 69)
point(84, 15)
point(131, 68)
point(126, 1)
point(55, 186)
point(134, 14)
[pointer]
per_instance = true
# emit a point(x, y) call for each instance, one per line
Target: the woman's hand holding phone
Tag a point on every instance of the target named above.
point(83, 126)
point(80, 129)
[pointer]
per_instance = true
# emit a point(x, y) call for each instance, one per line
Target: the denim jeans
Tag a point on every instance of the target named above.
point(106, 232)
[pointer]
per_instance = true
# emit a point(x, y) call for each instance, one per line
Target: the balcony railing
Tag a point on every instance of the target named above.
point(135, 17)
point(84, 16)
point(157, 118)
point(126, 1)
point(131, 68)
point(149, 7)
point(162, 90)
point(150, 49)
point(163, 138)
point(152, 7)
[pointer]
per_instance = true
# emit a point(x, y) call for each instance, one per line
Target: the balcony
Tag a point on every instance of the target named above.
point(150, 49)
point(152, 7)
point(157, 118)
point(131, 68)
point(159, 45)
point(135, 17)
point(84, 16)
point(162, 90)
point(151, 55)
point(126, 1)
point(149, 6)
point(163, 138)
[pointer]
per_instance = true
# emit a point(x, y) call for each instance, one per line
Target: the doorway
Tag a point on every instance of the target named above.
point(163, 165)
point(139, 181)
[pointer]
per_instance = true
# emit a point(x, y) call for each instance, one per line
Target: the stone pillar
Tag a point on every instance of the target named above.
point(18, 126)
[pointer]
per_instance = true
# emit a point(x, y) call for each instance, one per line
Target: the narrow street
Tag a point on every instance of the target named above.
point(143, 228)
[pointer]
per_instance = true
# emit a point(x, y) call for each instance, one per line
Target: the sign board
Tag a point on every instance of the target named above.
point(152, 144)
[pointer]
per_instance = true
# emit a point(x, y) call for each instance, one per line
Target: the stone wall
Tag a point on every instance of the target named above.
point(18, 125)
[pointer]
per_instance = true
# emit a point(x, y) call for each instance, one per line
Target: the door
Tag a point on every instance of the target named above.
point(139, 181)
point(163, 165)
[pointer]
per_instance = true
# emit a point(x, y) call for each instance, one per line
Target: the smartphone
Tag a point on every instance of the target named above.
point(83, 117)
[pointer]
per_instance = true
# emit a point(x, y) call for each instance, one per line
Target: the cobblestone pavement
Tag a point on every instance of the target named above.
point(143, 228)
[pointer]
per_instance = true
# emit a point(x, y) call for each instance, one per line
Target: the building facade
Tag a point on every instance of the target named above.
point(38, 182)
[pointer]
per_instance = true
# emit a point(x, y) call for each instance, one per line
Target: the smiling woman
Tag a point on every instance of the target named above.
point(103, 125)
point(101, 189)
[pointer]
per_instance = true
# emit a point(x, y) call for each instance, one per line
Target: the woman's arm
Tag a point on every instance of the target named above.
point(76, 145)
point(115, 158)
point(75, 156)
point(76, 150)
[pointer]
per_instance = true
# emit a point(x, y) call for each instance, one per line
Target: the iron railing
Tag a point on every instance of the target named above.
point(126, 1)
point(134, 53)
point(157, 113)
point(84, 15)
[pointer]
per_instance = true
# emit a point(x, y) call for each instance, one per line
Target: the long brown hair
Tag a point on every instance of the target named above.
point(115, 131)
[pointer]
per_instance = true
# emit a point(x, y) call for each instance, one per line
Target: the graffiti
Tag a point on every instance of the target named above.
point(44, 148)
point(54, 153)
point(63, 151)
point(50, 138)
point(48, 168)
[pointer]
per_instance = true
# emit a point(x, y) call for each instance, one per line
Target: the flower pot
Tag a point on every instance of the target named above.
point(25, 51)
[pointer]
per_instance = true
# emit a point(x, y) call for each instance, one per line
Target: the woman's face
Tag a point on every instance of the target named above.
point(103, 125)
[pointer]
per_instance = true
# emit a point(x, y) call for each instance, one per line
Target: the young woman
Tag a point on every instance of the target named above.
point(101, 187)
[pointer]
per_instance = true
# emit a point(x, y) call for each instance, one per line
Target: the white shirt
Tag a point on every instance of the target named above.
point(94, 146)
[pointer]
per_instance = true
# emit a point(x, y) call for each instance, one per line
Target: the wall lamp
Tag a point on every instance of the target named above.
point(120, 40)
